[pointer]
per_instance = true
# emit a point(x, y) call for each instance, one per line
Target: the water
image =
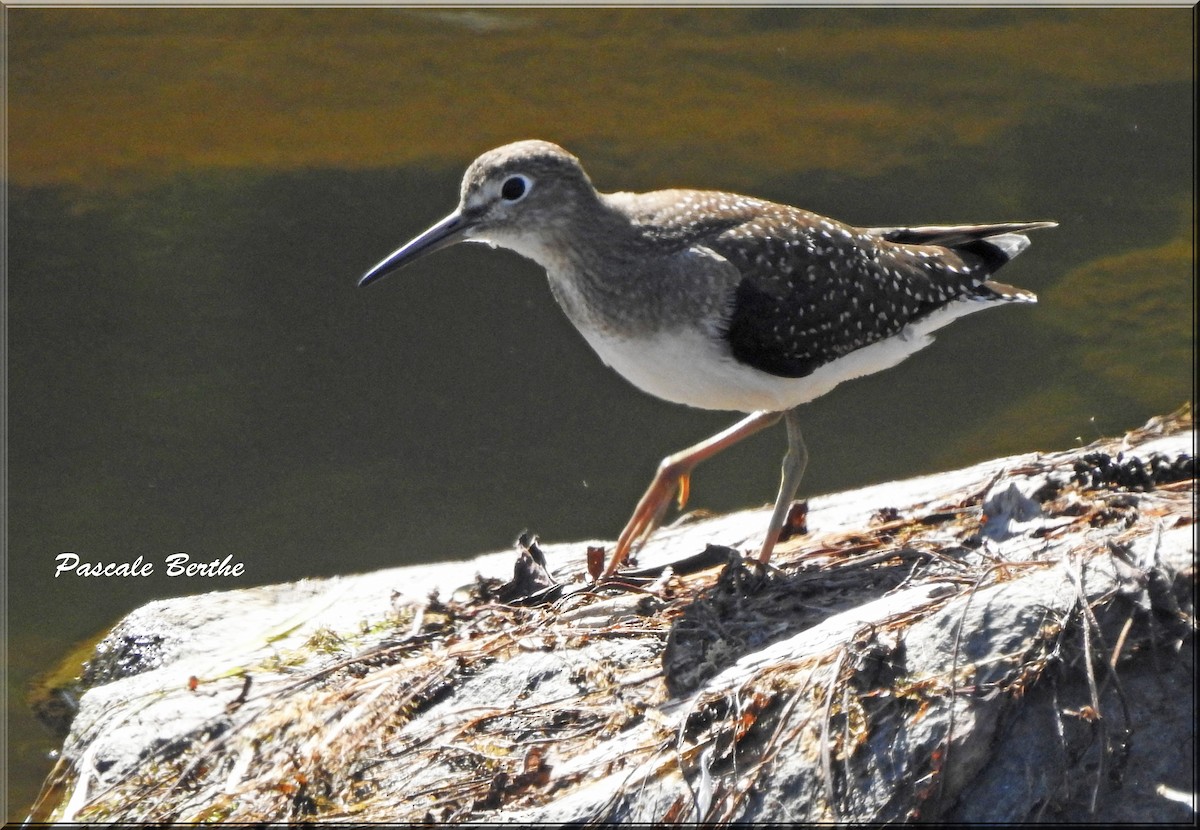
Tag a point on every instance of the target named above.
point(193, 193)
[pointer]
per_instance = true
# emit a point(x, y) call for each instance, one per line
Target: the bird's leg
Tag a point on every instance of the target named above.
point(672, 475)
point(793, 470)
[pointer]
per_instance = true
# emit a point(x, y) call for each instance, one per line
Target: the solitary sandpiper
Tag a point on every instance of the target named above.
point(722, 301)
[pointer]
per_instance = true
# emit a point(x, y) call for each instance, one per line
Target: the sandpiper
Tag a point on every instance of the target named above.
point(721, 301)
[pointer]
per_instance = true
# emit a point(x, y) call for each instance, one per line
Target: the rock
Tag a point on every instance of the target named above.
point(1008, 642)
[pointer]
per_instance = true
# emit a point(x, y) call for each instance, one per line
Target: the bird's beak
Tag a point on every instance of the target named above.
point(450, 230)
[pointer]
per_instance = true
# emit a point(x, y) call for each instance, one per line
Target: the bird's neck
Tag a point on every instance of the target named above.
point(612, 279)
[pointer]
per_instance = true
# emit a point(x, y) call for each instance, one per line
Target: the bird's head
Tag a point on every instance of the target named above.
point(518, 196)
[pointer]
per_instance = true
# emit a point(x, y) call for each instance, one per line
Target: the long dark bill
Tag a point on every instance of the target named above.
point(445, 233)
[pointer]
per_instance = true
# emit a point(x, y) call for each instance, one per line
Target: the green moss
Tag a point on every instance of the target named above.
point(1133, 319)
point(153, 91)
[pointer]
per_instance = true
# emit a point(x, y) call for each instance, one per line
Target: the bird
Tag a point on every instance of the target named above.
point(721, 301)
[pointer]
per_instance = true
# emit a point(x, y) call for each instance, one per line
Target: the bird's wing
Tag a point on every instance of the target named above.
point(812, 289)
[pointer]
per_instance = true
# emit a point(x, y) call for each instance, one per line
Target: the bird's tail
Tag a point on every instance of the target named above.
point(995, 244)
point(992, 290)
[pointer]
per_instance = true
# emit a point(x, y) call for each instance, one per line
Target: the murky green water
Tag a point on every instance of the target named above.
point(193, 193)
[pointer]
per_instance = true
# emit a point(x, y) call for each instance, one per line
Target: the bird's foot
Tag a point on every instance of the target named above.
point(670, 479)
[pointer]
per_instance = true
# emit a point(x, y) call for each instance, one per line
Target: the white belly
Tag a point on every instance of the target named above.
point(690, 368)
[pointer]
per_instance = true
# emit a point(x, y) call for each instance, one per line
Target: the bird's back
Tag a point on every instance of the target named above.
point(811, 289)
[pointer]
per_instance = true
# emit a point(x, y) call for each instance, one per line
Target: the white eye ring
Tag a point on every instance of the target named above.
point(515, 188)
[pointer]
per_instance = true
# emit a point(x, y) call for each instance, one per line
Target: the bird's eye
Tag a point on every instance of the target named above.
point(515, 188)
